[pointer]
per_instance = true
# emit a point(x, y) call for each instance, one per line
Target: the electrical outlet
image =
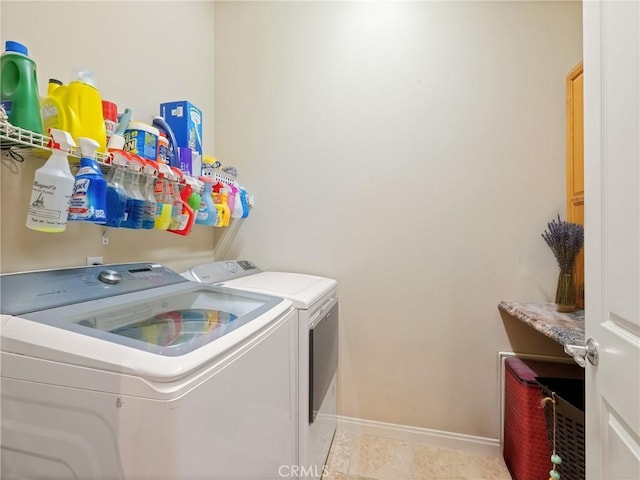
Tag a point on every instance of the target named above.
point(94, 261)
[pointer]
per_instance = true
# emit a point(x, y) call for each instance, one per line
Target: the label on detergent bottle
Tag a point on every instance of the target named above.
point(7, 105)
point(203, 212)
point(183, 220)
point(50, 116)
point(46, 208)
point(163, 150)
point(80, 207)
point(163, 210)
point(110, 114)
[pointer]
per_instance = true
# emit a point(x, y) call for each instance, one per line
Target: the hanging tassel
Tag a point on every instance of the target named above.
point(555, 458)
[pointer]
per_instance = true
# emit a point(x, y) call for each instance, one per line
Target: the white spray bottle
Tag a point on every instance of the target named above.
point(52, 187)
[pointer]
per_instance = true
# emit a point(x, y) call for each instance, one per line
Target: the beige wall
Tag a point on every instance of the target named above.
point(143, 54)
point(415, 152)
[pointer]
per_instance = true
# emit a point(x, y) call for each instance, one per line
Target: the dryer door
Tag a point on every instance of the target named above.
point(323, 359)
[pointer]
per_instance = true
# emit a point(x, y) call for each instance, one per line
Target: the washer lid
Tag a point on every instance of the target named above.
point(160, 334)
point(167, 321)
point(303, 290)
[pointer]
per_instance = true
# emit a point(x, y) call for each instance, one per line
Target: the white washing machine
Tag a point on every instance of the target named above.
point(133, 372)
point(316, 302)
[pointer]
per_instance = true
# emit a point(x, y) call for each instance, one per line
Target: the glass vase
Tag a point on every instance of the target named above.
point(566, 291)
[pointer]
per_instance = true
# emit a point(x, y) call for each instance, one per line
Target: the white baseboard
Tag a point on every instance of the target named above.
point(436, 438)
point(439, 438)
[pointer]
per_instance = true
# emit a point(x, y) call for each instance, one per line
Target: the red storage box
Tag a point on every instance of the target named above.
point(525, 448)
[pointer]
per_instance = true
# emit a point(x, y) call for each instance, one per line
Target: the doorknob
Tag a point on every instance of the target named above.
point(582, 354)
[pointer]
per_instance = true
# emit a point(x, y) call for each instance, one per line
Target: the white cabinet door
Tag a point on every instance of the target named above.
point(612, 229)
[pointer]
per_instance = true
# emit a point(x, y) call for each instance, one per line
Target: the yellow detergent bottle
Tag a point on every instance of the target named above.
point(220, 195)
point(75, 108)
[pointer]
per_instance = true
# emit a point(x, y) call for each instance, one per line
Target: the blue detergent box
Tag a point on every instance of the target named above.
point(185, 119)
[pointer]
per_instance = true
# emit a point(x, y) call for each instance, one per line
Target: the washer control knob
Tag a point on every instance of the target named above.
point(110, 277)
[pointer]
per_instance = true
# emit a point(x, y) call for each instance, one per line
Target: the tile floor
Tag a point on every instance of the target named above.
point(356, 456)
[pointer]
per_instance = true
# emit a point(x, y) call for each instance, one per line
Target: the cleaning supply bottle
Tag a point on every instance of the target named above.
point(226, 216)
point(195, 198)
point(134, 210)
point(207, 213)
point(173, 153)
point(76, 108)
point(110, 115)
point(19, 88)
point(174, 191)
point(220, 201)
point(215, 195)
point(187, 215)
point(163, 148)
point(236, 211)
point(52, 187)
point(116, 194)
point(231, 198)
point(245, 202)
point(90, 189)
point(164, 198)
point(147, 186)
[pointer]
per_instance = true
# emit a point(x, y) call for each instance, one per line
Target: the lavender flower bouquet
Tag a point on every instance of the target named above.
point(565, 240)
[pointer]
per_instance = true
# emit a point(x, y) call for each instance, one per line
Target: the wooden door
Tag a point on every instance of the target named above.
point(575, 165)
point(612, 227)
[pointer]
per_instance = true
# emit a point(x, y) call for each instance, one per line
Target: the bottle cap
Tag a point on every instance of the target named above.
point(84, 76)
point(116, 142)
point(177, 172)
point(119, 157)
point(150, 167)
point(194, 182)
point(17, 47)
point(60, 140)
point(134, 162)
point(163, 170)
point(88, 147)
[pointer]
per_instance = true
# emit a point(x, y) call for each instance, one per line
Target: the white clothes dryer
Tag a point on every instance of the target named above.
point(315, 300)
point(133, 372)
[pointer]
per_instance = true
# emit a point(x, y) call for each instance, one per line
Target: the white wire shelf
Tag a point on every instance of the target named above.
point(19, 138)
point(12, 137)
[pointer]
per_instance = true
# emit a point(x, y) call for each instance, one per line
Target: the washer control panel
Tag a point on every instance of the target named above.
point(41, 290)
point(223, 271)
